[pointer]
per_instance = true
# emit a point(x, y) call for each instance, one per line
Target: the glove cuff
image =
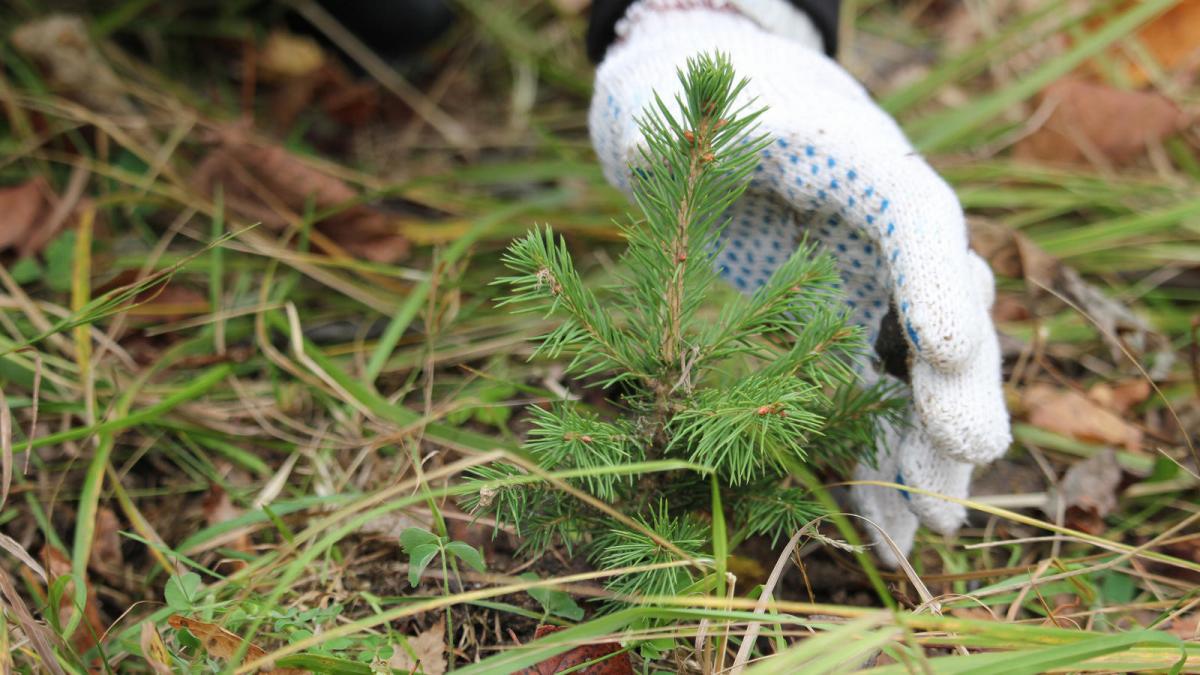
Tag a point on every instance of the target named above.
point(777, 17)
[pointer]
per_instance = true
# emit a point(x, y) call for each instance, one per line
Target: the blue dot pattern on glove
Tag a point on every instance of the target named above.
point(799, 190)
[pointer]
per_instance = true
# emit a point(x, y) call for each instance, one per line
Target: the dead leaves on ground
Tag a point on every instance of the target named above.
point(1011, 254)
point(1071, 414)
point(302, 76)
point(154, 650)
point(1172, 40)
point(1091, 121)
point(615, 661)
point(1098, 124)
point(1087, 492)
point(425, 653)
point(222, 644)
point(264, 182)
point(32, 214)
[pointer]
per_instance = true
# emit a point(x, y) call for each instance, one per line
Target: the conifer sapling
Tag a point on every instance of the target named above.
point(741, 387)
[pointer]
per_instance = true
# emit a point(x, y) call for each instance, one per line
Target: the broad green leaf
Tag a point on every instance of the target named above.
point(181, 591)
point(26, 270)
point(419, 559)
point(413, 537)
point(468, 554)
point(554, 601)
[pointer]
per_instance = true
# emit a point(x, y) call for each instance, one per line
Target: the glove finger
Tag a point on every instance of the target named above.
point(963, 413)
point(923, 467)
point(895, 215)
point(885, 507)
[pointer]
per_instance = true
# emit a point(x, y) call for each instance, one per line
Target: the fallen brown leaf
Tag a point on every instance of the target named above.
point(1172, 40)
point(1009, 307)
point(222, 644)
point(1092, 122)
point(219, 508)
point(264, 182)
point(618, 664)
point(428, 652)
point(106, 558)
point(1186, 627)
point(20, 206)
point(1121, 396)
point(1088, 492)
point(29, 216)
point(1067, 412)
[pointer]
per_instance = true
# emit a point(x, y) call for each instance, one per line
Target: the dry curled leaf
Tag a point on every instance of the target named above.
point(154, 651)
point(222, 644)
point(617, 664)
point(428, 652)
point(1091, 122)
point(1088, 492)
point(1070, 413)
point(264, 182)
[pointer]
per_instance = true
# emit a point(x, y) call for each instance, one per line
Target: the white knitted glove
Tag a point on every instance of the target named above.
point(842, 172)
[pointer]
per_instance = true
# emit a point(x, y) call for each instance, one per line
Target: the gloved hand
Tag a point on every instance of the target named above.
point(841, 171)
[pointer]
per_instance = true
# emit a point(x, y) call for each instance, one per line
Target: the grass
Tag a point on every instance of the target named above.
point(315, 391)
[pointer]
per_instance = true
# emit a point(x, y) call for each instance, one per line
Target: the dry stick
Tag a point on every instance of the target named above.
point(387, 76)
point(35, 396)
point(6, 449)
point(743, 655)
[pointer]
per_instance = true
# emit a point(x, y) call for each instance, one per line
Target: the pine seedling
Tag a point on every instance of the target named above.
point(744, 388)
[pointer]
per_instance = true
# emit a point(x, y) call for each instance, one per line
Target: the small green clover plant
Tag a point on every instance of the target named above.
point(553, 601)
point(422, 546)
